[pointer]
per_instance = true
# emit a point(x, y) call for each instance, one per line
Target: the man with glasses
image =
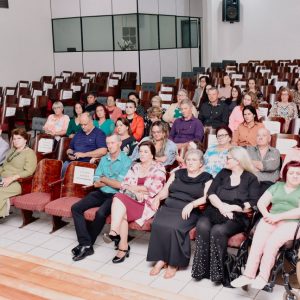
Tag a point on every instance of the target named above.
point(108, 177)
point(87, 143)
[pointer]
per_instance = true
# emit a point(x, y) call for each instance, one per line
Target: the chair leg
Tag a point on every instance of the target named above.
point(27, 217)
point(57, 223)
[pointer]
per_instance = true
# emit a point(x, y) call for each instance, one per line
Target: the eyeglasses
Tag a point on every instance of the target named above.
point(220, 136)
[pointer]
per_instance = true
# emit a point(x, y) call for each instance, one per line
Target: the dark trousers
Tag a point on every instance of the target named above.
point(87, 232)
point(211, 248)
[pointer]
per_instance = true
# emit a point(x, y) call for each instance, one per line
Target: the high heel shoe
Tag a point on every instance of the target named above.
point(108, 238)
point(117, 260)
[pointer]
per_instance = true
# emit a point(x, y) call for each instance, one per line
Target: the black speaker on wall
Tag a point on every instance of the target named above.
point(231, 11)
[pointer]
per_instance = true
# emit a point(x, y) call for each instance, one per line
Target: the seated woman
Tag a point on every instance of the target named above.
point(180, 157)
point(156, 101)
point(74, 125)
point(236, 117)
point(125, 133)
point(153, 114)
point(102, 120)
point(173, 112)
point(186, 128)
point(251, 87)
point(136, 122)
point(225, 90)
point(139, 108)
point(246, 133)
point(296, 96)
point(232, 193)
point(285, 107)
point(134, 202)
point(114, 112)
point(20, 162)
point(57, 123)
point(165, 149)
point(200, 90)
point(235, 98)
point(275, 228)
point(185, 190)
point(215, 156)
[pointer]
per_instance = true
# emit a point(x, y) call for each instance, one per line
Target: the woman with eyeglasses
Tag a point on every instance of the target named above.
point(165, 149)
point(285, 108)
point(215, 155)
point(186, 189)
point(57, 123)
point(231, 195)
point(246, 133)
point(20, 162)
point(174, 112)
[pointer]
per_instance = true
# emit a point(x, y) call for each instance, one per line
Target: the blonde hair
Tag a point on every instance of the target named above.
point(241, 155)
point(157, 98)
point(57, 104)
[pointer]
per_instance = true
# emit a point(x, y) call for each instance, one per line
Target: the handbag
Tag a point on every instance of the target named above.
point(130, 194)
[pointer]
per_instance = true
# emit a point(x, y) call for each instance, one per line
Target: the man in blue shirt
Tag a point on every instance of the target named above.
point(87, 143)
point(108, 177)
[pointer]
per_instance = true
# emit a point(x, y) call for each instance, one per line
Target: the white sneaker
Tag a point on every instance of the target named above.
point(258, 283)
point(241, 281)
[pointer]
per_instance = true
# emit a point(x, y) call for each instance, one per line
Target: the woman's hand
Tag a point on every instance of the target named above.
point(155, 203)
point(8, 180)
point(139, 197)
point(187, 211)
point(272, 219)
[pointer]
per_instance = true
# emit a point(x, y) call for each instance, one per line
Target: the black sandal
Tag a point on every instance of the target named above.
point(117, 260)
point(108, 238)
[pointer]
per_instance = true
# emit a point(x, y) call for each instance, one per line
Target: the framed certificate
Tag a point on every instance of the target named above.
point(45, 145)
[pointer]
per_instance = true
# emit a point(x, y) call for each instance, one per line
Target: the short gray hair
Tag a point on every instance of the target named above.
point(197, 152)
point(188, 102)
point(118, 137)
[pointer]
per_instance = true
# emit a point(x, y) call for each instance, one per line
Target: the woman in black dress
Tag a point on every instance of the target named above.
point(232, 193)
point(185, 190)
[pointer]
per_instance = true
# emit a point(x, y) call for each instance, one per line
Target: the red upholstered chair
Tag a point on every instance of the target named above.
point(64, 194)
point(48, 170)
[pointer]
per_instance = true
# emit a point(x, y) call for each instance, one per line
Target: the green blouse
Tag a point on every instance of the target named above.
point(108, 126)
point(19, 163)
point(283, 201)
point(73, 127)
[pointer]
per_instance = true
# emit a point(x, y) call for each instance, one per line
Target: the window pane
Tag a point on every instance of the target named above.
point(194, 32)
point(97, 33)
point(125, 32)
point(167, 33)
point(148, 30)
point(67, 35)
point(183, 32)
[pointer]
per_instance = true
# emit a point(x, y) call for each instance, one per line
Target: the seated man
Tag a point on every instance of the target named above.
point(87, 144)
point(187, 128)
point(4, 147)
point(265, 159)
point(108, 177)
point(214, 113)
point(91, 103)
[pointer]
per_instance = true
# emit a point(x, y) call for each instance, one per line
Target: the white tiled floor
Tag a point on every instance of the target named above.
point(35, 239)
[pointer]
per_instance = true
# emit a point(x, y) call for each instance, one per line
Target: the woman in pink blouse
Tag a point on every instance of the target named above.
point(57, 123)
point(236, 117)
point(134, 202)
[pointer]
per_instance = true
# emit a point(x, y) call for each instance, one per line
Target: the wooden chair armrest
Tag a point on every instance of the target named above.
point(26, 183)
point(55, 188)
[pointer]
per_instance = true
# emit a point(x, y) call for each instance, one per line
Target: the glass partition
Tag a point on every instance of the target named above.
point(67, 35)
point(148, 32)
point(97, 33)
point(183, 32)
point(167, 32)
point(125, 32)
point(195, 26)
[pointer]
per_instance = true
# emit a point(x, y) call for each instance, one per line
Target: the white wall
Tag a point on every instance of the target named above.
point(267, 30)
point(26, 51)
